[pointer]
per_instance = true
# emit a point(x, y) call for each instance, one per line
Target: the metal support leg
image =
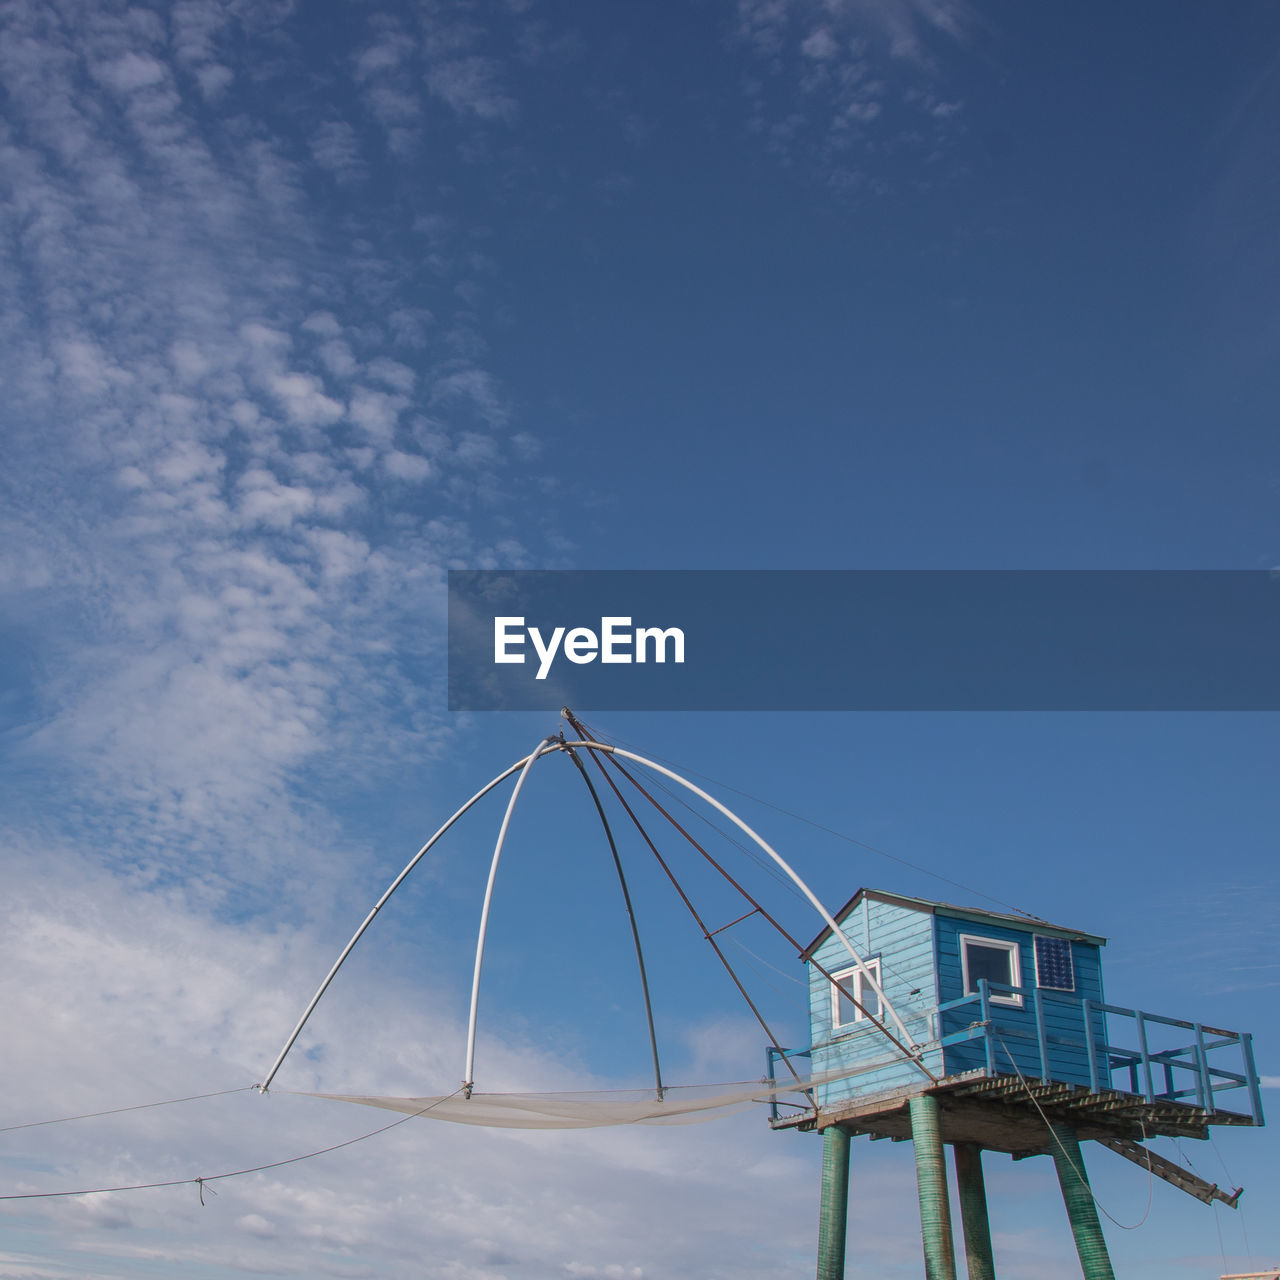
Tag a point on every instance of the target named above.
point(833, 1216)
point(973, 1211)
point(931, 1180)
point(1095, 1263)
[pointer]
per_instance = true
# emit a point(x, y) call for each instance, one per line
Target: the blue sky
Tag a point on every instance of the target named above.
point(303, 305)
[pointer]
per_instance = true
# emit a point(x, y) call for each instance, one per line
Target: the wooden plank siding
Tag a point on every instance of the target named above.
point(902, 940)
point(1016, 1027)
point(1168, 1077)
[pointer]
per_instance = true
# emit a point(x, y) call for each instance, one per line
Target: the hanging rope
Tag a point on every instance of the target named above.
point(1084, 1182)
point(818, 826)
point(706, 933)
point(912, 1057)
point(201, 1182)
point(1231, 1182)
point(115, 1111)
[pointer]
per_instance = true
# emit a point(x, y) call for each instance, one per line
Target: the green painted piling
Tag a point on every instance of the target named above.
point(973, 1211)
point(833, 1214)
point(1095, 1263)
point(931, 1181)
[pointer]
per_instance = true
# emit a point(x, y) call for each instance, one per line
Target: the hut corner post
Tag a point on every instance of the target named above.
point(833, 1214)
point(931, 1181)
point(1095, 1262)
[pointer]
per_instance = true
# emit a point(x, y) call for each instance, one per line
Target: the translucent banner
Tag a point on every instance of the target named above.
point(864, 640)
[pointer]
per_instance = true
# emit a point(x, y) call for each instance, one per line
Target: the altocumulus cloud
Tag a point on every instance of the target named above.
point(831, 83)
point(247, 428)
point(224, 479)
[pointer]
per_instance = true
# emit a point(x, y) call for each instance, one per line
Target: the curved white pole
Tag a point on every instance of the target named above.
point(395, 884)
point(866, 973)
point(542, 749)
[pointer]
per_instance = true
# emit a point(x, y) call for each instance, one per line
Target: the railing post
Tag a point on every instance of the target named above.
point(1204, 1082)
point(988, 1039)
point(1042, 1039)
point(1251, 1074)
point(833, 1213)
point(1089, 1047)
point(1146, 1055)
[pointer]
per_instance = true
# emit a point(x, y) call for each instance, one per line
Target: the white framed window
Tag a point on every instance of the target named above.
point(993, 959)
point(1054, 969)
point(853, 983)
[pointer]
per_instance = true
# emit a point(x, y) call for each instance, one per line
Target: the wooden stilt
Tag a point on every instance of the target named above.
point(1095, 1262)
point(833, 1215)
point(931, 1181)
point(973, 1211)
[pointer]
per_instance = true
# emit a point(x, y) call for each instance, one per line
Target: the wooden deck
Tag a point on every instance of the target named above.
point(1006, 1113)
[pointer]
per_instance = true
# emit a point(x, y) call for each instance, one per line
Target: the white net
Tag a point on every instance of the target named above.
point(681, 1104)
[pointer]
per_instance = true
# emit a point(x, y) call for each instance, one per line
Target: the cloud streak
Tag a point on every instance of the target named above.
point(244, 499)
point(838, 84)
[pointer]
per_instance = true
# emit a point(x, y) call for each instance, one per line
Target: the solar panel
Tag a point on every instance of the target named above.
point(1053, 964)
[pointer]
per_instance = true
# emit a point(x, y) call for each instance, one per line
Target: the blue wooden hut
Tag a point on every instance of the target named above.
point(985, 1030)
point(929, 959)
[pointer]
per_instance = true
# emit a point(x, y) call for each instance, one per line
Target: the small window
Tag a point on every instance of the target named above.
point(1054, 970)
point(993, 959)
point(852, 982)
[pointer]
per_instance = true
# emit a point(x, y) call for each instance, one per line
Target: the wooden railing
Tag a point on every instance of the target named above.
point(1181, 1073)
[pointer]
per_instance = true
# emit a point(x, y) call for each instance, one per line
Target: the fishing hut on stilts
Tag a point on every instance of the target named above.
point(948, 1026)
point(929, 1023)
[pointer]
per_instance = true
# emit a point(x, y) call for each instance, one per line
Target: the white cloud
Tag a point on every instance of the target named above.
point(214, 80)
point(475, 387)
point(819, 44)
point(474, 450)
point(256, 1225)
point(338, 358)
point(828, 72)
point(129, 72)
point(391, 50)
point(323, 323)
point(340, 554)
point(303, 399)
point(167, 1002)
point(336, 148)
point(266, 500)
point(393, 374)
point(376, 413)
point(412, 467)
point(471, 85)
point(409, 325)
point(84, 363)
point(242, 560)
point(189, 362)
point(230, 548)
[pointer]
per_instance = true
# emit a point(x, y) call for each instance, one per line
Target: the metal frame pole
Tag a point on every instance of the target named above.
point(468, 1077)
point(382, 901)
point(828, 919)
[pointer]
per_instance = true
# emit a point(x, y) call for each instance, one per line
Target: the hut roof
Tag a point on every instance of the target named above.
point(975, 914)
